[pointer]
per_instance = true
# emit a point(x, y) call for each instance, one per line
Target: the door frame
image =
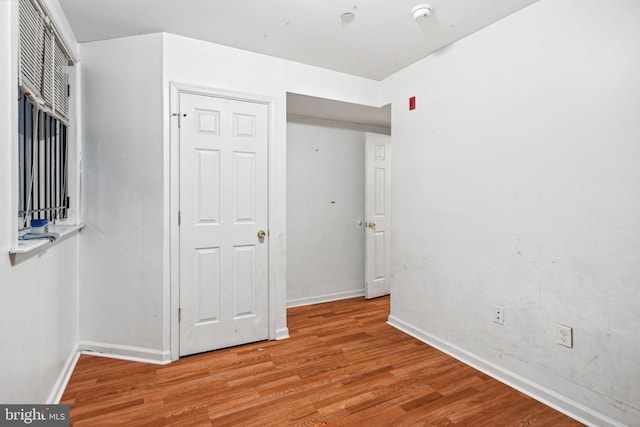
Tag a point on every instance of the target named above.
point(177, 88)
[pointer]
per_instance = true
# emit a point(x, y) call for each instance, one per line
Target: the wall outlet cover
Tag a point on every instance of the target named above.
point(565, 336)
point(498, 314)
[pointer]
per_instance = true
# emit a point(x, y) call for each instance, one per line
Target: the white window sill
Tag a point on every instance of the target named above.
point(26, 248)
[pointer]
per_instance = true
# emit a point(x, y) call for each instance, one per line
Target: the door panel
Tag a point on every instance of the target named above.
point(244, 280)
point(223, 205)
point(208, 283)
point(377, 192)
point(245, 186)
point(208, 191)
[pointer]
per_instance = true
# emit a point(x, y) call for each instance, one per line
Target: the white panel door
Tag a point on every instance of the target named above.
point(377, 195)
point(223, 211)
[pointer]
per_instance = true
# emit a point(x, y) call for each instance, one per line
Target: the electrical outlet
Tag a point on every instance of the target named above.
point(498, 314)
point(565, 336)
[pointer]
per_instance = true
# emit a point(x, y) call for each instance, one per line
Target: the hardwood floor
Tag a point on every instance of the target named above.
point(343, 366)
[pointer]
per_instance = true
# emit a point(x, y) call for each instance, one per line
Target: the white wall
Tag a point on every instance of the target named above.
point(39, 322)
point(122, 266)
point(325, 201)
point(38, 303)
point(8, 118)
point(515, 182)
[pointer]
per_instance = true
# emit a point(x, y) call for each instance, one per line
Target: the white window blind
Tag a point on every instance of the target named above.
point(43, 61)
point(43, 118)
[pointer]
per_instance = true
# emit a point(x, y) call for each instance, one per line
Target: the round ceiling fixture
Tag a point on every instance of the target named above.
point(348, 16)
point(421, 11)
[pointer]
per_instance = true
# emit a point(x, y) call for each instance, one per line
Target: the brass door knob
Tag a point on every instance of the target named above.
point(371, 225)
point(262, 234)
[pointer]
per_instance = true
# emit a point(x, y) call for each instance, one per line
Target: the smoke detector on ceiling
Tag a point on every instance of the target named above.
point(421, 11)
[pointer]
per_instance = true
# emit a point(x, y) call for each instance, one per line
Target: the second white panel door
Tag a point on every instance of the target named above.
point(377, 203)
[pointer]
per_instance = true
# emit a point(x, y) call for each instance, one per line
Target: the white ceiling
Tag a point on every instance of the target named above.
point(328, 109)
point(382, 39)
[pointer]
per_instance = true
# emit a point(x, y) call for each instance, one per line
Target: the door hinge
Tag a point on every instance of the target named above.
point(179, 218)
point(180, 116)
point(179, 314)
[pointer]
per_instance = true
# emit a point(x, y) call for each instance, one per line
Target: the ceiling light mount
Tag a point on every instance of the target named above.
point(421, 12)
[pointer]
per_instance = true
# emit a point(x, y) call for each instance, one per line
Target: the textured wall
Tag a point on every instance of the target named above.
point(515, 183)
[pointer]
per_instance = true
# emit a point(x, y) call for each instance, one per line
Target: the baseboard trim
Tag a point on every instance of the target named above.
point(299, 302)
point(536, 391)
point(63, 379)
point(125, 352)
point(282, 334)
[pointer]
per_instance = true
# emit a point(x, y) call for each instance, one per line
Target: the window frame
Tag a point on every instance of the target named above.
point(62, 40)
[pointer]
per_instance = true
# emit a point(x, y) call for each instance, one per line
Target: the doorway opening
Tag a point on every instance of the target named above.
point(326, 222)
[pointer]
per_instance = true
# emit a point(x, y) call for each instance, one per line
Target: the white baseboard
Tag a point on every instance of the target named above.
point(299, 302)
point(125, 352)
point(282, 334)
point(549, 397)
point(63, 378)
